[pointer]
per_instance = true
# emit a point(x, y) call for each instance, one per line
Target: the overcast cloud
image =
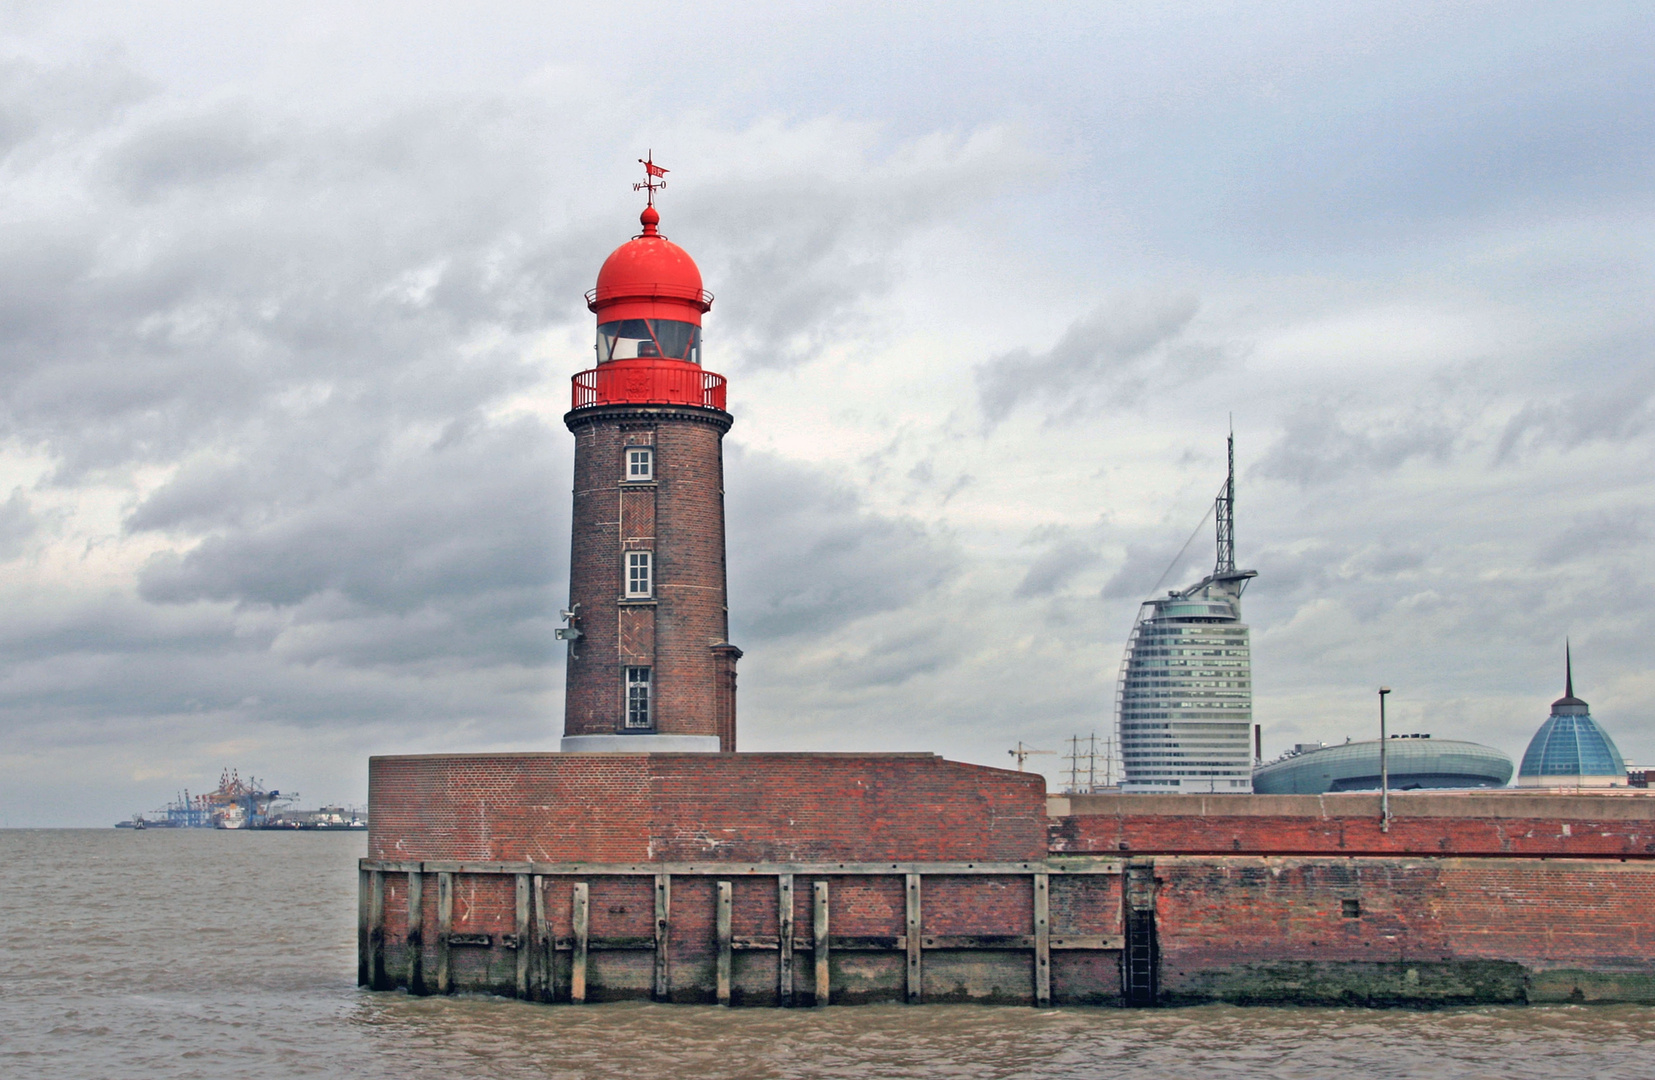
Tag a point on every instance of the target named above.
point(290, 297)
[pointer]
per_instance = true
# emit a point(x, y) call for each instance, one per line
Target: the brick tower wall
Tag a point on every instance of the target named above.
point(682, 633)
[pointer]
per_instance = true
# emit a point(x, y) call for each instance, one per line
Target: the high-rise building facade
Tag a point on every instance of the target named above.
point(1184, 702)
point(650, 665)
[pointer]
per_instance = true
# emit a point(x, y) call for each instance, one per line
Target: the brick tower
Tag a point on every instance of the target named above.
point(650, 665)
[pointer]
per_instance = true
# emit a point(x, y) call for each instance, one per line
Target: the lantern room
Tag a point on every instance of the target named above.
point(649, 302)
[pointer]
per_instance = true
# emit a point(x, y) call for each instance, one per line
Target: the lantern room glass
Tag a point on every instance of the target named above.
point(628, 339)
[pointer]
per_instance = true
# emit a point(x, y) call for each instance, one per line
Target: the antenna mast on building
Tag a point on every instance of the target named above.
point(1226, 513)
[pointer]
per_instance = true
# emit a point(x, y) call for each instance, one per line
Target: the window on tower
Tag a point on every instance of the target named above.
point(640, 464)
point(637, 698)
point(640, 575)
point(627, 339)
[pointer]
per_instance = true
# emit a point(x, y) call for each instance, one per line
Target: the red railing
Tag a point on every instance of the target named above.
point(648, 382)
point(649, 291)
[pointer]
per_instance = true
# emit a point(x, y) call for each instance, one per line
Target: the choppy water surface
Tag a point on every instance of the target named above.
point(227, 955)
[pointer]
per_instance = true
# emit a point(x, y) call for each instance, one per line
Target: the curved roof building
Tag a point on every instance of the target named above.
point(1184, 701)
point(1570, 749)
point(1414, 761)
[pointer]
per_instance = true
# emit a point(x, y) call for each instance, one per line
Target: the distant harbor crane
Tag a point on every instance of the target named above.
point(1023, 753)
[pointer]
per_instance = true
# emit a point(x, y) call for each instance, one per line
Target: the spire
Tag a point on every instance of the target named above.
point(1568, 699)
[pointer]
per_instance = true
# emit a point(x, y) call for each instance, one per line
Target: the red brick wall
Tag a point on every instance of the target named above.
point(1225, 914)
point(1163, 833)
point(1551, 914)
point(684, 807)
point(680, 517)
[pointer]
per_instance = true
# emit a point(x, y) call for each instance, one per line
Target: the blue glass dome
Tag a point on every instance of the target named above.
point(1570, 743)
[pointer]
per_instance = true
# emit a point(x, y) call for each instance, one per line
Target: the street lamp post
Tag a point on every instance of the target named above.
point(1384, 768)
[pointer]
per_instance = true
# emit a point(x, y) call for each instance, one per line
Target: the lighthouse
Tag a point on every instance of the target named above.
point(650, 665)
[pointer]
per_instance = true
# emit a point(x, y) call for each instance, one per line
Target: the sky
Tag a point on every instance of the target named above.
point(290, 294)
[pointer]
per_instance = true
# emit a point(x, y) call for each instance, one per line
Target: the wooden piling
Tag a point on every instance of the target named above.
point(364, 928)
point(820, 944)
point(376, 931)
point(784, 934)
point(663, 920)
point(416, 932)
point(582, 924)
point(725, 922)
point(541, 968)
point(521, 929)
point(445, 924)
point(1042, 940)
point(914, 929)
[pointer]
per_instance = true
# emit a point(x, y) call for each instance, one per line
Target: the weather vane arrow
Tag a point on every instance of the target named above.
point(655, 177)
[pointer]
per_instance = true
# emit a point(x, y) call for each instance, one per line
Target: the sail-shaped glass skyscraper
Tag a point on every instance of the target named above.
point(1184, 702)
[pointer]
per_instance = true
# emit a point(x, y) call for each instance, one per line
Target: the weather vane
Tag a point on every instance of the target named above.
point(655, 177)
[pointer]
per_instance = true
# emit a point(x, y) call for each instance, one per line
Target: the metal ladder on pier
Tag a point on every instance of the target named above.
point(1140, 958)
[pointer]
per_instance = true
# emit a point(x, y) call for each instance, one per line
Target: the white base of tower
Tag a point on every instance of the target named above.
point(640, 744)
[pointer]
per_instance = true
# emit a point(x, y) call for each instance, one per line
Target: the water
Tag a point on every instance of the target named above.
point(225, 955)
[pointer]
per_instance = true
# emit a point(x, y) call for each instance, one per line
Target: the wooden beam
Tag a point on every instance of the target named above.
point(445, 926)
point(858, 943)
point(899, 943)
point(914, 943)
point(521, 929)
point(1086, 864)
point(1042, 941)
point(725, 920)
point(582, 925)
point(364, 928)
point(784, 935)
point(416, 932)
point(376, 932)
point(820, 911)
point(542, 970)
point(980, 942)
point(663, 934)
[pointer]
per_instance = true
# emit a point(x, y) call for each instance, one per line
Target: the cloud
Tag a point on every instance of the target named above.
point(1145, 565)
point(17, 524)
point(1323, 443)
point(1056, 569)
point(286, 324)
point(808, 239)
point(1613, 414)
point(1603, 533)
point(1109, 359)
point(807, 556)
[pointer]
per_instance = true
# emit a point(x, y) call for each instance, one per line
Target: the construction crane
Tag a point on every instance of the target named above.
point(1023, 753)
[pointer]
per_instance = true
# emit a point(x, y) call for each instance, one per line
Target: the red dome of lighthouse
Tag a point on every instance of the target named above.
point(649, 277)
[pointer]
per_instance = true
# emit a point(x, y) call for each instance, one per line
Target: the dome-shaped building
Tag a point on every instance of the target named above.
point(1415, 762)
point(1570, 749)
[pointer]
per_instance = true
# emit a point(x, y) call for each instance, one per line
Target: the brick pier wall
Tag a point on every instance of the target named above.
point(1470, 823)
point(902, 842)
point(612, 808)
point(1502, 897)
point(1388, 931)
